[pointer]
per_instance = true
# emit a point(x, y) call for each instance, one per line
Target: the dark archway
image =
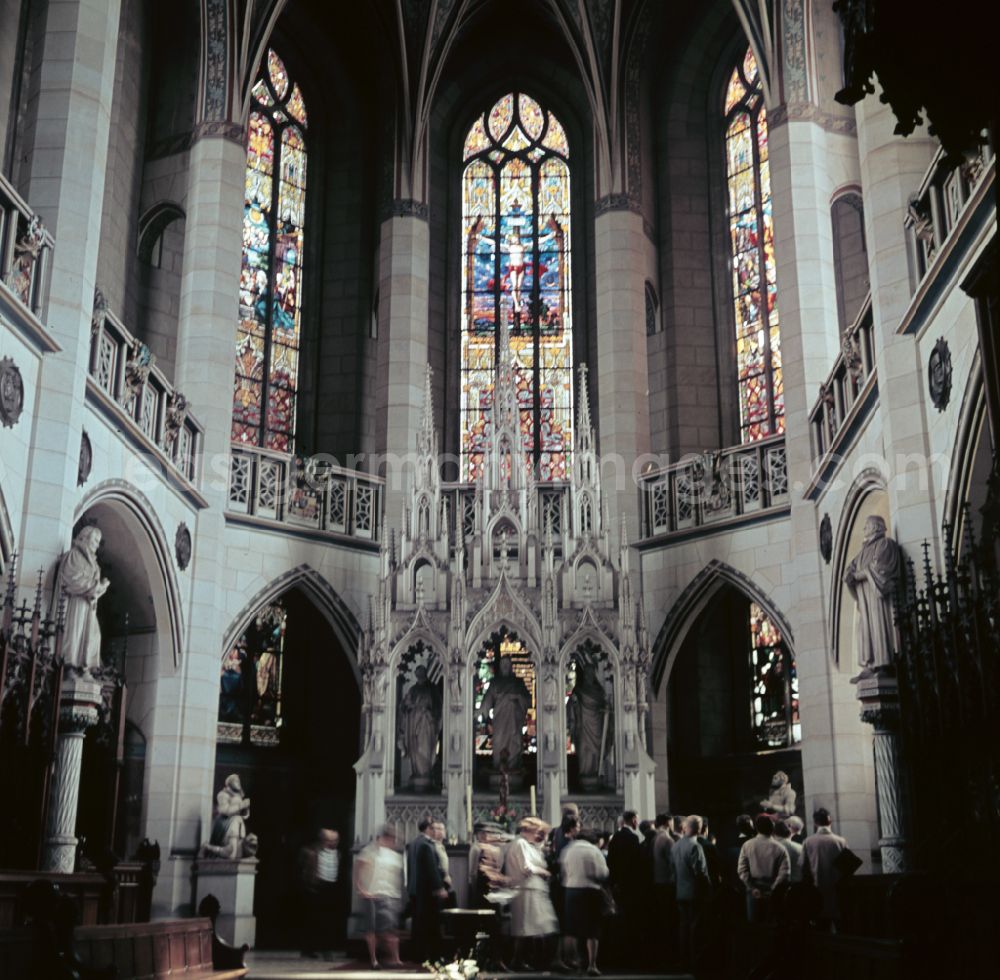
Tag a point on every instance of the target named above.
point(732, 713)
point(291, 734)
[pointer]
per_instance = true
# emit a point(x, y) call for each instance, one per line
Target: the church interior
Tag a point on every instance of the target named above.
point(458, 410)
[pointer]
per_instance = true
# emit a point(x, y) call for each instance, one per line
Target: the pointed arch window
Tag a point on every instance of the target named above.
point(774, 698)
point(516, 265)
point(751, 228)
point(269, 331)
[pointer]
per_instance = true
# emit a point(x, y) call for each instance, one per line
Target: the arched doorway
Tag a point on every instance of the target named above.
point(289, 724)
point(139, 619)
point(732, 712)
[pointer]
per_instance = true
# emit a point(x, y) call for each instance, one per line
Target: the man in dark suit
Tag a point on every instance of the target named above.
point(626, 878)
point(427, 893)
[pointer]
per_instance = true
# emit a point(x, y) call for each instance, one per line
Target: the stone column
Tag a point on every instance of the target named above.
point(68, 162)
point(181, 755)
point(404, 269)
point(81, 696)
point(879, 698)
point(622, 375)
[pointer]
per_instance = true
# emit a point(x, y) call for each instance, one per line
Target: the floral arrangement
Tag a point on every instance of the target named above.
point(458, 969)
point(506, 816)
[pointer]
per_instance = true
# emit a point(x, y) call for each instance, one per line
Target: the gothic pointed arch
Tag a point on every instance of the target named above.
point(504, 608)
point(337, 613)
point(156, 552)
point(867, 495)
point(692, 602)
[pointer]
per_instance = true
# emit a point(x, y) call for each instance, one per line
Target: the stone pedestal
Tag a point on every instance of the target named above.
point(80, 699)
point(232, 883)
point(879, 697)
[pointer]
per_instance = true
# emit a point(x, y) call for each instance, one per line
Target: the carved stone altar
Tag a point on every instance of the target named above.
point(504, 568)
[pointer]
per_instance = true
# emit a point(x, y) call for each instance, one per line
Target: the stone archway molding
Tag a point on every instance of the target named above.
point(321, 593)
point(870, 480)
point(692, 602)
point(140, 508)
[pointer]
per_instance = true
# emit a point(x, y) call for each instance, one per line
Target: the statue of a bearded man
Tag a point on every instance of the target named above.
point(79, 580)
point(871, 578)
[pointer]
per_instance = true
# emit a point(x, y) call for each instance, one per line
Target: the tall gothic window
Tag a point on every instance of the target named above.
point(267, 339)
point(751, 228)
point(516, 266)
point(774, 698)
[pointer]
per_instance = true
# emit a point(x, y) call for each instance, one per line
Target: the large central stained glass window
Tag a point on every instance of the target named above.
point(751, 228)
point(516, 268)
point(269, 331)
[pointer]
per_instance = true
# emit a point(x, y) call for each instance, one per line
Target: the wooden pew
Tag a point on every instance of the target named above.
point(154, 950)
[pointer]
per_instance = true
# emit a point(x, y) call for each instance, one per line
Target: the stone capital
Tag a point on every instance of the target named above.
point(878, 695)
point(80, 703)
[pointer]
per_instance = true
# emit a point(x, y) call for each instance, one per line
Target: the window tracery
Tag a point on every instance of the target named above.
point(751, 229)
point(516, 265)
point(774, 685)
point(269, 331)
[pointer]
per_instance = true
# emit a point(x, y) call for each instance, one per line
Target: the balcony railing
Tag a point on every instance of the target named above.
point(123, 368)
point(850, 381)
point(714, 488)
point(311, 494)
point(25, 251)
point(938, 206)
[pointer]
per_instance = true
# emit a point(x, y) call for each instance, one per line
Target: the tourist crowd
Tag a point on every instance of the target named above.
point(655, 895)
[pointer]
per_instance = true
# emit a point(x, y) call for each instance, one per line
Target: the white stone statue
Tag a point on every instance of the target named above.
point(420, 726)
point(80, 580)
point(230, 839)
point(781, 800)
point(508, 698)
point(587, 717)
point(871, 578)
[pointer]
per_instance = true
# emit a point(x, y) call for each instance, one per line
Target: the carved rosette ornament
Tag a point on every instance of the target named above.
point(11, 393)
point(182, 546)
point(826, 538)
point(939, 375)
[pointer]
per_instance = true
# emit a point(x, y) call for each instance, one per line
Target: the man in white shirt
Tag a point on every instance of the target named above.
point(378, 877)
point(322, 880)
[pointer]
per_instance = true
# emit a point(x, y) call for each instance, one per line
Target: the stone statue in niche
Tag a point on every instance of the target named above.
point(509, 699)
point(781, 799)
point(230, 840)
point(871, 578)
point(588, 719)
point(420, 727)
point(79, 580)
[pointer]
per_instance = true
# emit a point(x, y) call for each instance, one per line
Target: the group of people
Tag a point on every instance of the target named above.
point(657, 894)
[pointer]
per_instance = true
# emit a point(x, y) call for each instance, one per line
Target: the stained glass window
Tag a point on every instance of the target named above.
point(774, 699)
point(269, 331)
point(751, 229)
point(250, 680)
point(516, 266)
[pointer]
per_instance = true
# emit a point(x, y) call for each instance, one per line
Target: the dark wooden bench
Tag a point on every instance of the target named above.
point(154, 950)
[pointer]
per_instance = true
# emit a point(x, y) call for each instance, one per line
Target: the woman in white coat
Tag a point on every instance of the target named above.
point(531, 913)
